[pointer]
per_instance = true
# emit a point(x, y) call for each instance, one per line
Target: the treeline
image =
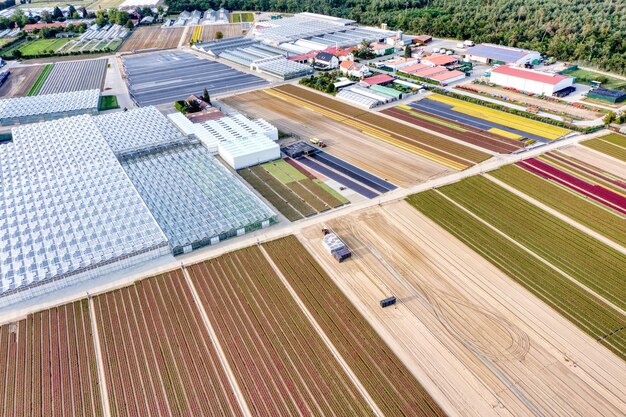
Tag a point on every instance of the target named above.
point(587, 31)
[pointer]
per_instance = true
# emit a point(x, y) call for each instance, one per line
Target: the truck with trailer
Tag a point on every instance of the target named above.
point(335, 246)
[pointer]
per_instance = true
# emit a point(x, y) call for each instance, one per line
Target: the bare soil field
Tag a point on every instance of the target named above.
point(481, 344)
point(589, 156)
point(152, 37)
point(553, 107)
point(209, 31)
point(19, 82)
point(384, 160)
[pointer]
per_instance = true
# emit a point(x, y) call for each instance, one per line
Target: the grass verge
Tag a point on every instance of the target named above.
point(36, 88)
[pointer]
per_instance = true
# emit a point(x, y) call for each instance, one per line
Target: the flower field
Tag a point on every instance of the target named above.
point(158, 357)
point(588, 312)
point(292, 193)
point(426, 145)
point(394, 389)
point(280, 362)
point(49, 365)
point(580, 178)
point(576, 206)
point(612, 144)
point(483, 138)
point(505, 119)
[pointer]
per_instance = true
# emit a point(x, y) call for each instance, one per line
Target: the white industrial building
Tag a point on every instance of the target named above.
point(530, 81)
point(48, 106)
point(488, 53)
point(248, 151)
point(68, 211)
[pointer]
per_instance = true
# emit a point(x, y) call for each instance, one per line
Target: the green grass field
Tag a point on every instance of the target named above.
point(108, 103)
point(43, 76)
point(578, 208)
point(242, 17)
point(583, 309)
point(612, 144)
point(283, 171)
point(585, 76)
point(41, 46)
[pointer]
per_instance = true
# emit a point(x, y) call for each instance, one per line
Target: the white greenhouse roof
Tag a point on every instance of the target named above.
point(190, 128)
point(195, 199)
point(137, 129)
point(49, 104)
point(237, 126)
point(67, 207)
point(237, 148)
point(358, 99)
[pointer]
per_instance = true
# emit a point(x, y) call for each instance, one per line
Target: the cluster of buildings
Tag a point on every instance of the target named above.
point(197, 17)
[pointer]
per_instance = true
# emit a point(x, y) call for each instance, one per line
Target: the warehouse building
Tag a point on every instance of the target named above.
point(530, 81)
point(608, 96)
point(33, 109)
point(68, 211)
point(488, 53)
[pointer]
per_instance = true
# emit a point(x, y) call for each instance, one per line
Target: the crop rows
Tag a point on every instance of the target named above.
point(390, 384)
point(281, 364)
point(158, 355)
point(506, 119)
point(589, 261)
point(586, 311)
point(579, 208)
point(613, 145)
point(48, 365)
point(430, 146)
point(467, 134)
point(294, 195)
point(75, 76)
point(588, 182)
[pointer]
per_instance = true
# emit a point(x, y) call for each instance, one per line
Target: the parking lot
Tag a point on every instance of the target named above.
point(165, 77)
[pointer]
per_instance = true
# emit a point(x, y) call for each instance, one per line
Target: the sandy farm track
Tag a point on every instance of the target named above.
point(481, 344)
point(149, 37)
point(381, 159)
point(597, 159)
point(19, 82)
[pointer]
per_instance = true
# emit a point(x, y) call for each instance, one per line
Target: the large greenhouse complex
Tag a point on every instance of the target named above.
point(48, 106)
point(68, 211)
point(88, 195)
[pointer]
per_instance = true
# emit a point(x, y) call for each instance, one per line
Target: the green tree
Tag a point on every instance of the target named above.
point(219, 35)
point(45, 16)
point(19, 18)
point(71, 10)
point(101, 18)
point(57, 13)
point(129, 24)
point(407, 51)
point(205, 96)
point(609, 118)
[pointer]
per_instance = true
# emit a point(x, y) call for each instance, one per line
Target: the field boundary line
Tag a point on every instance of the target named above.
point(606, 155)
point(515, 242)
point(218, 347)
point(322, 335)
point(558, 215)
point(104, 392)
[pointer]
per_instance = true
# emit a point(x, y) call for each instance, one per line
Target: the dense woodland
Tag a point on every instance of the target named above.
point(587, 31)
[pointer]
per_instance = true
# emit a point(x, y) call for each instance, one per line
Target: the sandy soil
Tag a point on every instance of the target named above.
point(547, 105)
point(480, 343)
point(20, 81)
point(149, 37)
point(597, 159)
point(386, 161)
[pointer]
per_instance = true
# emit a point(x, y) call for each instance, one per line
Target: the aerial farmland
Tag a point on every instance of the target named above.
point(256, 214)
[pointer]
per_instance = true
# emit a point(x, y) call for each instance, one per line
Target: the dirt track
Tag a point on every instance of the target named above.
point(481, 344)
point(19, 82)
point(386, 161)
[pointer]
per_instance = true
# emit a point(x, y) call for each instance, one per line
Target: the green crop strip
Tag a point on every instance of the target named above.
point(36, 88)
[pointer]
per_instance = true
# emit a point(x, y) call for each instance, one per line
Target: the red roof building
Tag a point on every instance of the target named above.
point(36, 26)
point(378, 79)
point(530, 81)
point(438, 59)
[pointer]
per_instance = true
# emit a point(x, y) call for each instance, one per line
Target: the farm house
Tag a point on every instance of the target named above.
point(48, 107)
point(530, 81)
